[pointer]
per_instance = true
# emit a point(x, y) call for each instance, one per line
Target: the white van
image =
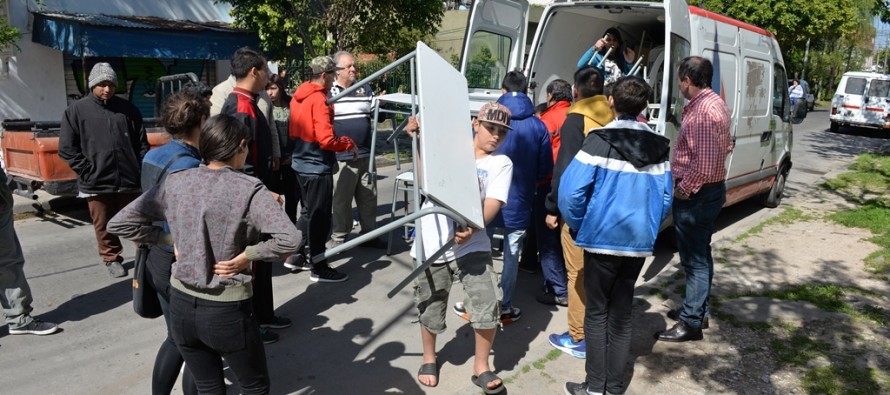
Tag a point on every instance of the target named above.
point(862, 99)
point(749, 70)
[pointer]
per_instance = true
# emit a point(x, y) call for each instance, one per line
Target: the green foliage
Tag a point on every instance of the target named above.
point(840, 33)
point(843, 379)
point(479, 69)
point(799, 349)
point(828, 297)
point(787, 216)
point(8, 34)
point(868, 184)
point(325, 26)
point(397, 80)
point(869, 180)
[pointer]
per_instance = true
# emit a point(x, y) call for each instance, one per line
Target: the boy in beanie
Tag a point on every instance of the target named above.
point(470, 257)
point(103, 140)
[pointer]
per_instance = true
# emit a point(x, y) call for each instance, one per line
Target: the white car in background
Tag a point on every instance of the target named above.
point(862, 99)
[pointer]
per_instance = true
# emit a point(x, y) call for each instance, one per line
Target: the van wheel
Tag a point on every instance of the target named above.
point(773, 198)
point(834, 127)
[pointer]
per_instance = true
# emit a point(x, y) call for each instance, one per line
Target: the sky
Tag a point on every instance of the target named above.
point(883, 31)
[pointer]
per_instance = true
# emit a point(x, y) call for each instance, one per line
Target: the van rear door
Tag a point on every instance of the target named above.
point(494, 44)
point(678, 41)
point(875, 102)
point(852, 99)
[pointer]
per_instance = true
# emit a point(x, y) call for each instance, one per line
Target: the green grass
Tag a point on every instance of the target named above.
point(828, 297)
point(799, 350)
point(680, 289)
point(540, 364)
point(659, 293)
point(787, 216)
point(842, 379)
point(869, 185)
point(869, 180)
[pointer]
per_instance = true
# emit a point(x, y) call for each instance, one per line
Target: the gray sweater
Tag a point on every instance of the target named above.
point(214, 215)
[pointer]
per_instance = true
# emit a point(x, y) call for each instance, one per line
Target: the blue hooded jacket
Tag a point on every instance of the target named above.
point(528, 146)
point(618, 189)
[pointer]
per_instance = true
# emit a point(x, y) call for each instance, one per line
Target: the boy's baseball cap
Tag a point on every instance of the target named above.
point(323, 64)
point(495, 113)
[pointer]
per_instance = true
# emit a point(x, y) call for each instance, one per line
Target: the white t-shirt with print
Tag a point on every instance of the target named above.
point(494, 172)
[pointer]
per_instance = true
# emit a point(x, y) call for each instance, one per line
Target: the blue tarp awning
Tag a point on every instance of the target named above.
point(92, 35)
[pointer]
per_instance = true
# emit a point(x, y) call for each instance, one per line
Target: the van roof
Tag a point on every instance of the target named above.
point(866, 74)
point(725, 19)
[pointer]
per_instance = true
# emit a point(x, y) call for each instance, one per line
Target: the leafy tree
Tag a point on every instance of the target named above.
point(839, 32)
point(324, 26)
point(480, 69)
point(8, 34)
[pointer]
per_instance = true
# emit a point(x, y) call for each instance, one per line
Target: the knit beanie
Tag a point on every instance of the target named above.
point(102, 72)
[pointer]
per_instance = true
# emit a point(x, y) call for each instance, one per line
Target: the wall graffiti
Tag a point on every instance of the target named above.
point(137, 77)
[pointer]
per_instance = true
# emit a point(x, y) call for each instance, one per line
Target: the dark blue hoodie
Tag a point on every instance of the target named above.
point(528, 146)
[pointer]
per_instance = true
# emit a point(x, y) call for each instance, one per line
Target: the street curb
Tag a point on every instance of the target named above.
point(48, 202)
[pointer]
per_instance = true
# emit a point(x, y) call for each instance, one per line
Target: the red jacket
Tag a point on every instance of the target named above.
point(311, 129)
point(554, 117)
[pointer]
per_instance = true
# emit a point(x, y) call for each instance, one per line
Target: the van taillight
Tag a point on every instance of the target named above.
point(833, 110)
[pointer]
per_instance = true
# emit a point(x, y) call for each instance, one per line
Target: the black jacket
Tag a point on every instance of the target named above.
point(104, 143)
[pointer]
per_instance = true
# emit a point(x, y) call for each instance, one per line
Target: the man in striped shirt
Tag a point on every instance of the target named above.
point(699, 170)
point(352, 118)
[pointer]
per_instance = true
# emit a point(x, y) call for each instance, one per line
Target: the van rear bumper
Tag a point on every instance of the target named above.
point(860, 124)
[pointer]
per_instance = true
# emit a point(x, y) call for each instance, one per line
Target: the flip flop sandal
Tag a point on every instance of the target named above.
point(486, 377)
point(428, 369)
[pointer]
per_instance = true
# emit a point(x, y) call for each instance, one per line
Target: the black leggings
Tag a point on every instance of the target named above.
point(168, 361)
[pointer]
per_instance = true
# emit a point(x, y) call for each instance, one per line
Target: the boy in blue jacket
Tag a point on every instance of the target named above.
point(614, 195)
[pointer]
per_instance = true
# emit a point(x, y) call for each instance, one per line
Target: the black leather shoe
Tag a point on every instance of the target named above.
point(675, 315)
point(679, 333)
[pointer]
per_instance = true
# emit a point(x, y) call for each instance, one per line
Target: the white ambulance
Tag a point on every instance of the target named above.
point(862, 99)
point(749, 70)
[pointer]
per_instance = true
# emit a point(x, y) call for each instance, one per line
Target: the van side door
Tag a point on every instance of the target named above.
point(494, 44)
point(755, 125)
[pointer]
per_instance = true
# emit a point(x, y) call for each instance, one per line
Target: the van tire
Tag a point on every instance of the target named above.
point(834, 127)
point(773, 198)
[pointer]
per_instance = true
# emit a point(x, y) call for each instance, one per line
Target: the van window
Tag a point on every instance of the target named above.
point(781, 101)
point(679, 51)
point(489, 55)
point(879, 88)
point(855, 86)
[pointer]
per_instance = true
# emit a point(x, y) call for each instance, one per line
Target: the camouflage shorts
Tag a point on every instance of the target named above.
point(476, 273)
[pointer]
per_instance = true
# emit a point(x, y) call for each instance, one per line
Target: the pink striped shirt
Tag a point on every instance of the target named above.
point(703, 143)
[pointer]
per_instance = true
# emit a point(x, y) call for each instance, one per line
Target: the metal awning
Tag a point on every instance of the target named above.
point(95, 35)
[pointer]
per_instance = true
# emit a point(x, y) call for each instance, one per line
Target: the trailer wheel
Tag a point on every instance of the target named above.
point(773, 198)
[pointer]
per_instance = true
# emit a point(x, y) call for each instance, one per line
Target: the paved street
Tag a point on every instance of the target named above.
point(347, 337)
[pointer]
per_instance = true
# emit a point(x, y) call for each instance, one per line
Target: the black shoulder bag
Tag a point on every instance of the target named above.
point(145, 298)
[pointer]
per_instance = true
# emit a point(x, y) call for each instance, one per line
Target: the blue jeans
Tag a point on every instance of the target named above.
point(694, 224)
point(513, 239)
point(553, 267)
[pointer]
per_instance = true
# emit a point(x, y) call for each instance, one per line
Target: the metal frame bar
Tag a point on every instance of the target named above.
point(415, 216)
